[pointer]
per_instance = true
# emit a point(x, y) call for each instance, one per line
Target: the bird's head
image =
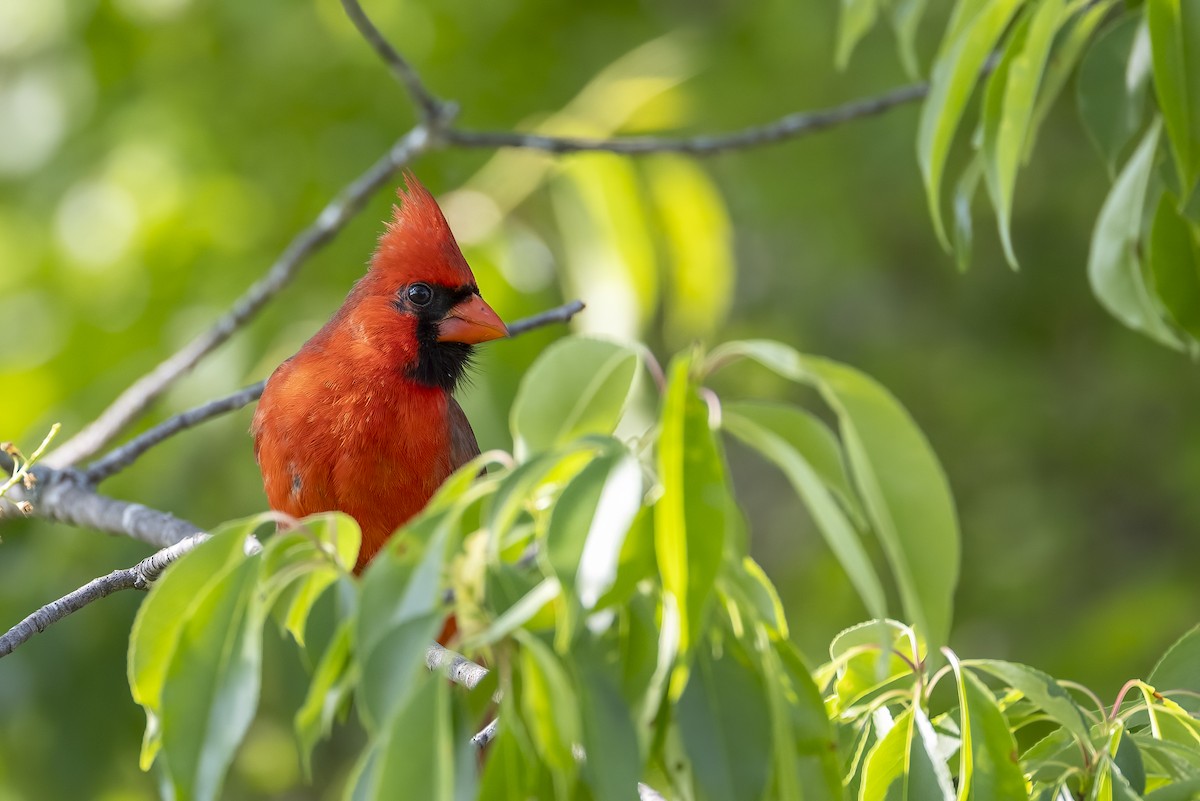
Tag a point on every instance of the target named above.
point(419, 299)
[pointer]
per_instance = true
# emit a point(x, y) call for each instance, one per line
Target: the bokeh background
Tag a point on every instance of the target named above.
point(156, 155)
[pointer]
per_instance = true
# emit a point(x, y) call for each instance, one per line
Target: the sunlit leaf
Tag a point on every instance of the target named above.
point(1179, 669)
point(577, 387)
point(1114, 267)
point(963, 52)
point(549, 703)
point(1175, 50)
point(516, 615)
point(1039, 688)
point(690, 516)
point(996, 772)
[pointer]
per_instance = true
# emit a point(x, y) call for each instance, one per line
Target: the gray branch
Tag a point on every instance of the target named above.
point(434, 112)
point(789, 127)
point(140, 577)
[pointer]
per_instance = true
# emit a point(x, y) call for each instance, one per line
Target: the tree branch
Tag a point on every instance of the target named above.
point(436, 113)
point(131, 403)
point(140, 576)
point(791, 126)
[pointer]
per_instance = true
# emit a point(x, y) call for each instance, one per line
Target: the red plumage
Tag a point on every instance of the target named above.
point(362, 418)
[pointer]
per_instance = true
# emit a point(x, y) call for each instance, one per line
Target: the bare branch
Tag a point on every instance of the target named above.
point(792, 126)
point(131, 403)
point(66, 497)
point(118, 459)
point(435, 113)
point(559, 314)
point(140, 576)
point(457, 667)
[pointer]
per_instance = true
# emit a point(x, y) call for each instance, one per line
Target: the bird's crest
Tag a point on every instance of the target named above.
point(418, 243)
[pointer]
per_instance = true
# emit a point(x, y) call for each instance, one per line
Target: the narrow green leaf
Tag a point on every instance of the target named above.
point(690, 516)
point(420, 747)
point(210, 691)
point(588, 524)
point(964, 196)
point(1024, 79)
point(906, 19)
point(779, 433)
point(612, 763)
point(549, 705)
point(331, 684)
point(578, 386)
point(724, 720)
point(904, 489)
point(400, 613)
point(516, 615)
point(885, 763)
point(756, 590)
point(1042, 690)
point(1174, 260)
point(1112, 108)
point(1114, 267)
point(857, 17)
point(996, 772)
point(969, 41)
point(161, 618)
point(1175, 51)
point(810, 735)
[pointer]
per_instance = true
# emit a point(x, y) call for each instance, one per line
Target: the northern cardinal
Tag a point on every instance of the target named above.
point(362, 418)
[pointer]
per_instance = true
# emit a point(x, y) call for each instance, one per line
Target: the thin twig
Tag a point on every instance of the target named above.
point(790, 127)
point(436, 113)
point(120, 458)
point(131, 403)
point(140, 576)
point(456, 667)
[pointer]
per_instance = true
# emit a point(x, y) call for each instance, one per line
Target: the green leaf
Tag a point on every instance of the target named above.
point(1042, 690)
point(1174, 260)
point(995, 771)
point(724, 720)
point(1024, 62)
point(400, 613)
point(161, 617)
point(210, 691)
point(588, 524)
point(869, 661)
point(421, 753)
point(811, 458)
point(549, 704)
point(904, 489)
point(907, 756)
point(612, 764)
point(331, 684)
point(856, 19)
point(1175, 51)
point(902, 485)
point(969, 41)
point(1114, 267)
point(335, 539)
point(577, 387)
point(1179, 669)
point(793, 694)
point(964, 195)
point(1111, 107)
point(754, 589)
point(690, 515)
point(516, 615)
point(906, 18)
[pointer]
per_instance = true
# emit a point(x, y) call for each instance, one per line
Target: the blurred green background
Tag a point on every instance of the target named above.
point(156, 155)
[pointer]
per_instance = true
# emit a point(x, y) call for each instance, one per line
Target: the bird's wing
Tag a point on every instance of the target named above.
point(463, 447)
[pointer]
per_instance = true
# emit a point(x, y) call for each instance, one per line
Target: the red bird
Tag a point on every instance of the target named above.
point(362, 418)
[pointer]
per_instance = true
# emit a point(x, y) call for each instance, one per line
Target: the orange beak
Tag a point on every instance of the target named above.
point(472, 321)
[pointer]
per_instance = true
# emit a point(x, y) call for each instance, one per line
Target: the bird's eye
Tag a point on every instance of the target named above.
point(420, 294)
